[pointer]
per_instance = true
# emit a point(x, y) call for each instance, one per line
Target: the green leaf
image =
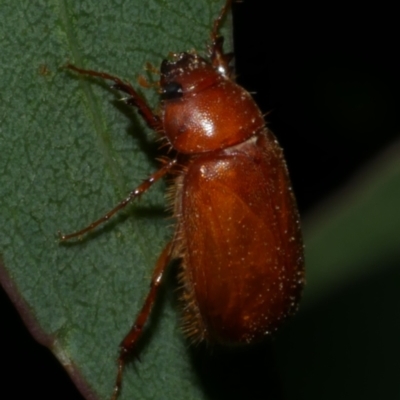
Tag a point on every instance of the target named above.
point(70, 152)
point(356, 233)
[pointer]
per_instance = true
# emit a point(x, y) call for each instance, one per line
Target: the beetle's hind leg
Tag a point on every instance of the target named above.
point(134, 99)
point(128, 345)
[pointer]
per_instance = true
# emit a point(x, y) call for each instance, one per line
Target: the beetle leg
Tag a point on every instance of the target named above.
point(219, 60)
point(143, 187)
point(152, 120)
point(218, 21)
point(128, 345)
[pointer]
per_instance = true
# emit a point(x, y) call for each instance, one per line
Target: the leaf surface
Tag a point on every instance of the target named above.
point(70, 151)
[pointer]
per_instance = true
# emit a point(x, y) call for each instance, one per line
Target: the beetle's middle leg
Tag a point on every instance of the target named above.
point(142, 188)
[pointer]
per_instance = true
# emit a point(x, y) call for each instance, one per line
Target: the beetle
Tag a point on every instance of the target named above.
point(237, 228)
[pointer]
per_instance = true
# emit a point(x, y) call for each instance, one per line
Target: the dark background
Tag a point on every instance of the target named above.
point(329, 76)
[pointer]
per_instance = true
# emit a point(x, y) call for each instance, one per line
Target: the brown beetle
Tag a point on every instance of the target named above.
point(237, 225)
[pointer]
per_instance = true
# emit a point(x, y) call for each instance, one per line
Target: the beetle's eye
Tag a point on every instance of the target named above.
point(172, 90)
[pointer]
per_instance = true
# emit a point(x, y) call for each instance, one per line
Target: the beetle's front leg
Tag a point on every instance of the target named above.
point(152, 120)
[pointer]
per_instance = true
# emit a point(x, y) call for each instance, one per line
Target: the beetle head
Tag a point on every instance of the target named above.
point(185, 74)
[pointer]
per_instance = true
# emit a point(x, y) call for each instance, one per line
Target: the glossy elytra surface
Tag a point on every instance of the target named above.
point(238, 228)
